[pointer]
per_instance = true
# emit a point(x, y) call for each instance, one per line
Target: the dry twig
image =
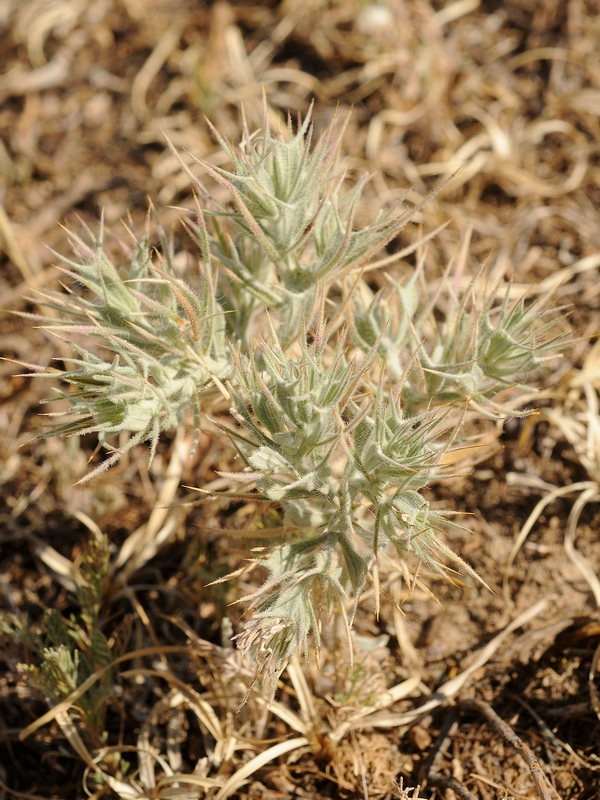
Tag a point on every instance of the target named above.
point(543, 786)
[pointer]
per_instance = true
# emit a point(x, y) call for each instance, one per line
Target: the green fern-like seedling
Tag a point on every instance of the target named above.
point(67, 651)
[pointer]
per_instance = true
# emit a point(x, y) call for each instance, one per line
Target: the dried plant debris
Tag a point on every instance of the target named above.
point(114, 594)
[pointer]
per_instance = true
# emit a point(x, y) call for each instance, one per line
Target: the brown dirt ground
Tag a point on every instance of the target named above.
point(512, 90)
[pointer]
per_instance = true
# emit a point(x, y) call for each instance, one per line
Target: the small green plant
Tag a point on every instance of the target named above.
point(344, 401)
point(68, 650)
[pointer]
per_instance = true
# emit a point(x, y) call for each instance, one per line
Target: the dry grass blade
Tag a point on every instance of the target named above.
point(89, 523)
point(582, 431)
point(144, 543)
point(242, 775)
point(124, 790)
point(286, 715)
point(147, 757)
point(10, 244)
point(202, 709)
point(65, 705)
point(191, 780)
point(582, 486)
point(393, 695)
point(303, 693)
point(451, 688)
point(590, 495)
point(456, 10)
point(73, 737)
point(164, 47)
point(67, 573)
point(409, 652)
point(558, 278)
point(50, 75)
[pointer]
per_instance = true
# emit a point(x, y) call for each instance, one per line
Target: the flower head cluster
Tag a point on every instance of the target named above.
point(481, 348)
point(166, 340)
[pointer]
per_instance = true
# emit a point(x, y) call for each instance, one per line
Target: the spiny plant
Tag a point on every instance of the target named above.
point(344, 401)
